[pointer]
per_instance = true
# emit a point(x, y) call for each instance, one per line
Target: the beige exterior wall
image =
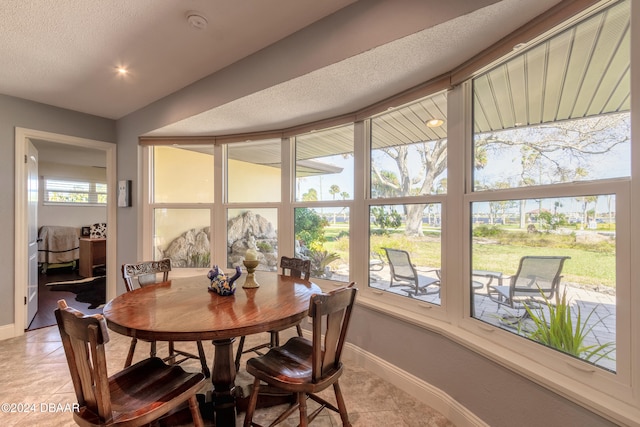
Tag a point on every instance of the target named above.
point(187, 176)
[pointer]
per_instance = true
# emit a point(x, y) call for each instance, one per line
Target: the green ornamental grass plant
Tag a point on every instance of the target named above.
point(559, 331)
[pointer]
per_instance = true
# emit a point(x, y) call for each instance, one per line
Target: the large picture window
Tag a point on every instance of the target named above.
point(182, 205)
point(324, 188)
point(544, 250)
point(183, 236)
point(183, 174)
point(254, 176)
point(324, 165)
point(409, 166)
point(407, 265)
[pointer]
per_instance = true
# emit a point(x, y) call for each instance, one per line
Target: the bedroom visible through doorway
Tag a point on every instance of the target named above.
point(76, 150)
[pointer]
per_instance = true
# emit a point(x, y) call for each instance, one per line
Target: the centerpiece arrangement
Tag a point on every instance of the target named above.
point(220, 283)
point(250, 262)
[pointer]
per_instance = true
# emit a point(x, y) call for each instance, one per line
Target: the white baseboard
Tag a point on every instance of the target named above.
point(7, 331)
point(419, 389)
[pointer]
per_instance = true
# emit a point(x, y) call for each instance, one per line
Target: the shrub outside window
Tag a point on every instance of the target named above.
point(322, 236)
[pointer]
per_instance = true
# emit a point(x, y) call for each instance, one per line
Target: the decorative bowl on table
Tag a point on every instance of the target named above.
point(221, 283)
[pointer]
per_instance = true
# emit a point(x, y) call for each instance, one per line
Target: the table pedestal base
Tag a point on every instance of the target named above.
point(223, 377)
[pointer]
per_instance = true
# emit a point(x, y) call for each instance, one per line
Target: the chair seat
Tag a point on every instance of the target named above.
point(502, 290)
point(425, 281)
point(424, 284)
point(289, 366)
point(290, 363)
point(145, 387)
point(532, 295)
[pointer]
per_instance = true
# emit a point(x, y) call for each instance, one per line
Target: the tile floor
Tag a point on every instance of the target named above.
point(34, 372)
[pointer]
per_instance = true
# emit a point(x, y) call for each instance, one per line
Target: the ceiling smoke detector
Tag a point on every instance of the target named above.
point(196, 20)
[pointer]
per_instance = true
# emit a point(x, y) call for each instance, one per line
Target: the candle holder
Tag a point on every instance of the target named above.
point(250, 280)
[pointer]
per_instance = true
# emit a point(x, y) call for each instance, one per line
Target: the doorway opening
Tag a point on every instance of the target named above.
point(75, 146)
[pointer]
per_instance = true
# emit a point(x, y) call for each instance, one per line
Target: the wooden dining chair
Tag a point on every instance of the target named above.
point(147, 273)
point(307, 367)
point(294, 267)
point(135, 396)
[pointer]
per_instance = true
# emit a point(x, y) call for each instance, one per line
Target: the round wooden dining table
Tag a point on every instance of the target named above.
point(183, 309)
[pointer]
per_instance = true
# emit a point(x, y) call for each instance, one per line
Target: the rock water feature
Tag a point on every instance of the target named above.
point(191, 249)
point(250, 230)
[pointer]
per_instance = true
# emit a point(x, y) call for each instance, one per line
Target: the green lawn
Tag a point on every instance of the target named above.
point(584, 267)
point(593, 264)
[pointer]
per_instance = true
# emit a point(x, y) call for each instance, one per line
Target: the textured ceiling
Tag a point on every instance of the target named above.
point(64, 53)
point(366, 78)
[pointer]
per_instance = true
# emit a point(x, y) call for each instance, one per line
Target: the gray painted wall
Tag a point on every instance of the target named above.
point(15, 112)
point(498, 396)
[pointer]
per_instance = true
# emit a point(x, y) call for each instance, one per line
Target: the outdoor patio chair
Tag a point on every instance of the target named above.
point(404, 273)
point(375, 262)
point(537, 278)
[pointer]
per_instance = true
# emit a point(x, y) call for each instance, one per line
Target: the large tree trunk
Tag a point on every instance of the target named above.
point(523, 214)
point(414, 220)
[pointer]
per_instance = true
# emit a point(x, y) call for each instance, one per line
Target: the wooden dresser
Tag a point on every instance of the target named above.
point(93, 253)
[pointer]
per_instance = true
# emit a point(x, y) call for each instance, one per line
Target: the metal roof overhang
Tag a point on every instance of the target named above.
point(582, 71)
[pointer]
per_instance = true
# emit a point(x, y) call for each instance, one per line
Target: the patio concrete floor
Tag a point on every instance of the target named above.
point(602, 304)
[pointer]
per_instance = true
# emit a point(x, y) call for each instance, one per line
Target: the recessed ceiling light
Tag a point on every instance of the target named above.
point(122, 70)
point(434, 123)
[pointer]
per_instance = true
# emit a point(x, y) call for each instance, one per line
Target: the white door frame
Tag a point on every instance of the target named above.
point(22, 136)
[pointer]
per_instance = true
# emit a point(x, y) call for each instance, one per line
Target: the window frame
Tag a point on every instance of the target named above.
point(349, 203)
point(614, 395)
point(93, 195)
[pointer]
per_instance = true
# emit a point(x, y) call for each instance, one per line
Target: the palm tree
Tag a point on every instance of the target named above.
point(311, 195)
point(333, 190)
